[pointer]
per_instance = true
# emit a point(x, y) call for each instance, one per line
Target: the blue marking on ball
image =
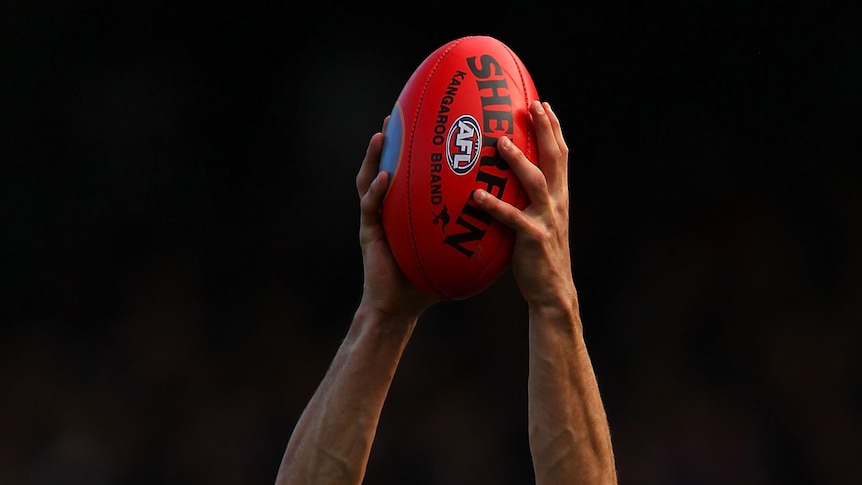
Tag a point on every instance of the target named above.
point(393, 140)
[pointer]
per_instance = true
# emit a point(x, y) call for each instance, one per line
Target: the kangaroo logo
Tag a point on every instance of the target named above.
point(443, 217)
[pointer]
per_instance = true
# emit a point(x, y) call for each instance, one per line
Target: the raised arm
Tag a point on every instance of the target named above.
point(568, 430)
point(332, 439)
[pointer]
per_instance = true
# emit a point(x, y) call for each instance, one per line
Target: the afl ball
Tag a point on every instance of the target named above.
point(439, 146)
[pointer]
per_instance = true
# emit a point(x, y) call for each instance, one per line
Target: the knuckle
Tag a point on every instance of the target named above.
point(537, 234)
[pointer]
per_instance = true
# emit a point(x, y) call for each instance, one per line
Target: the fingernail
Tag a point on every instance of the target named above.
point(379, 177)
point(505, 142)
point(539, 108)
point(477, 195)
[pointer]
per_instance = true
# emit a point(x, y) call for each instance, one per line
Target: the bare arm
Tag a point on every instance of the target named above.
point(332, 440)
point(568, 429)
point(569, 434)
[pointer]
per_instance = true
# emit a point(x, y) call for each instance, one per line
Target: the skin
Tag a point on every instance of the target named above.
point(569, 435)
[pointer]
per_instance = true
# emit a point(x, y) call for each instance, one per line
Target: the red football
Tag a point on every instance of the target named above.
point(439, 146)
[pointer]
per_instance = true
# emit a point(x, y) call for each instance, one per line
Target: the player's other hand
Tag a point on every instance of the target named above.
point(541, 262)
point(386, 290)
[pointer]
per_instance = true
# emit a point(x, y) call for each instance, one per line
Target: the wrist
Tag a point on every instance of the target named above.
point(558, 309)
point(383, 322)
point(562, 300)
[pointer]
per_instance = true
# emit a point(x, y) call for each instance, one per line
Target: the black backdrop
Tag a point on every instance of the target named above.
point(179, 253)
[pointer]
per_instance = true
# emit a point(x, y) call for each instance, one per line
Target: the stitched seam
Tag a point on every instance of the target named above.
point(410, 165)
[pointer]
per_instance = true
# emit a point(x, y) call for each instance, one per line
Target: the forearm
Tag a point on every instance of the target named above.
point(569, 434)
point(332, 439)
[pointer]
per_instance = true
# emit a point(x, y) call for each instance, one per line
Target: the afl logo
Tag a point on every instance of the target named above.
point(463, 144)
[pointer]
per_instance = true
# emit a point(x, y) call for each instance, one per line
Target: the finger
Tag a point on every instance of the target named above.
point(556, 127)
point(558, 135)
point(530, 176)
point(546, 140)
point(502, 211)
point(371, 201)
point(370, 164)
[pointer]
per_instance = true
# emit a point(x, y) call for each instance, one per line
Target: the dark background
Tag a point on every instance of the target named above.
point(179, 260)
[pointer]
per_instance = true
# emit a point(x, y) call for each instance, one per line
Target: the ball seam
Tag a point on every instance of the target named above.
point(443, 54)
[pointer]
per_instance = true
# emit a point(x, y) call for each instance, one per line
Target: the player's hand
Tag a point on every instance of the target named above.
point(386, 290)
point(541, 261)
